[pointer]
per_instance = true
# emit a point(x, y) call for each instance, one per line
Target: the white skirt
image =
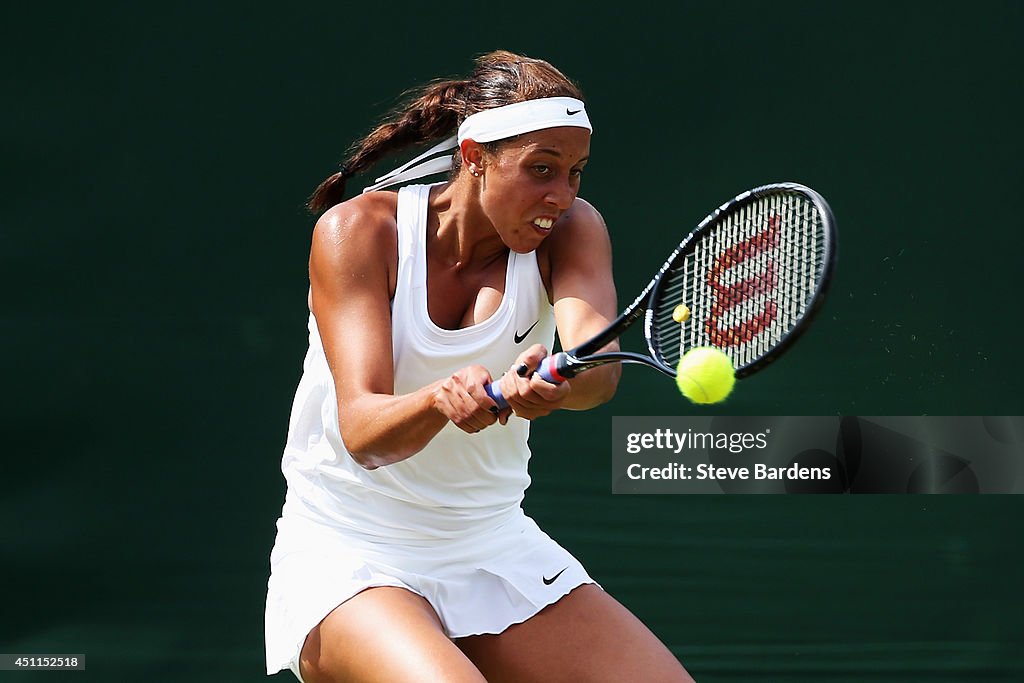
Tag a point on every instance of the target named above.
point(478, 583)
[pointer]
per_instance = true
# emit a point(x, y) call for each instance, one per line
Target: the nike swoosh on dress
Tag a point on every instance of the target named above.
point(520, 337)
point(548, 582)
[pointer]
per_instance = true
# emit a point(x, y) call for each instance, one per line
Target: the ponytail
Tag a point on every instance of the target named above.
point(432, 113)
point(329, 192)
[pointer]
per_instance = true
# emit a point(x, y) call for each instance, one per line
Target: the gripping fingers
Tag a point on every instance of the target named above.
point(528, 394)
point(462, 399)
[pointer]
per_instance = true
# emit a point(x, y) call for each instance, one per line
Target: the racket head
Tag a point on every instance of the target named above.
point(751, 276)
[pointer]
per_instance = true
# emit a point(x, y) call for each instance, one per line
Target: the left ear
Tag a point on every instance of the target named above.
point(472, 156)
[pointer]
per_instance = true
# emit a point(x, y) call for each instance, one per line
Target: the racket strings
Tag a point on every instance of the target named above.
point(746, 282)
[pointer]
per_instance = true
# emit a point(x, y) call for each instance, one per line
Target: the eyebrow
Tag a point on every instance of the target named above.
point(554, 152)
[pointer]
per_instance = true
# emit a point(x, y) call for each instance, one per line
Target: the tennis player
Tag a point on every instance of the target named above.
point(402, 552)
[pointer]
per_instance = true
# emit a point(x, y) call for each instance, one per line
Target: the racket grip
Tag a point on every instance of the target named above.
point(494, 391)
point(548, 370)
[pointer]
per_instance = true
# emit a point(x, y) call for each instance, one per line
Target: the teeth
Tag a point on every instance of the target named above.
point(544, 223)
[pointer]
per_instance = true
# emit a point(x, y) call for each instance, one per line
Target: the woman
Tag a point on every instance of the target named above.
point(402, 552)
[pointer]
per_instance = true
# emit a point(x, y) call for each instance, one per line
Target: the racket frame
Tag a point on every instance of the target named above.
point(689, 244)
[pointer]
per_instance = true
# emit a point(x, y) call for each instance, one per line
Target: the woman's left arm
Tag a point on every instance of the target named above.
point(583, 292)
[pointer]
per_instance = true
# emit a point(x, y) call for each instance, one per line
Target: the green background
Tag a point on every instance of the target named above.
point(153, 248)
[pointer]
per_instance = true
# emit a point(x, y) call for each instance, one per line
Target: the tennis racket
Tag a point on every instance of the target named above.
point(747, 280)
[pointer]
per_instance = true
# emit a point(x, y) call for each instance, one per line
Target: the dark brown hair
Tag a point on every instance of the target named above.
point(437, 109)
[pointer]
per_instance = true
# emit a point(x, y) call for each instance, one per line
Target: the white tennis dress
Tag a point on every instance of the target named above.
point(446, 523)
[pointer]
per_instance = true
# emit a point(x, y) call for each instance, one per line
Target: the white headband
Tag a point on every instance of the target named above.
point(523, 117)
point(490, 125)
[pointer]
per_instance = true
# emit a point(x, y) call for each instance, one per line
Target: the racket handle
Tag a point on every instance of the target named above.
point(549, 371)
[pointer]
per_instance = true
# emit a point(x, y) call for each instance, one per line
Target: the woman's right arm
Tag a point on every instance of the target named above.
point(352, 267)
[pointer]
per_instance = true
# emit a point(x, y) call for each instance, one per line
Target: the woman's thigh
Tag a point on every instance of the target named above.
point(586, 637)
point(383, 634)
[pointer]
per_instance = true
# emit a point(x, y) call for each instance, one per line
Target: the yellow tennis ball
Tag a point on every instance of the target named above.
point(681, 313)
point(705, 375)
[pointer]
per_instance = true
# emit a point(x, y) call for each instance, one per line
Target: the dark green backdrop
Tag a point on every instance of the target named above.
point(153, 249)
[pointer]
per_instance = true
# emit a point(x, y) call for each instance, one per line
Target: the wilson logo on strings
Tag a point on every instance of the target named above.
point(727, 297)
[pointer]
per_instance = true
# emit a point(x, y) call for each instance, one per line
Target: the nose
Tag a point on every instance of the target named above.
point(561, 194)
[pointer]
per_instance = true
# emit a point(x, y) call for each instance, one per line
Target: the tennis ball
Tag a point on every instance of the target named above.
point(681, 313)
point(705, 375)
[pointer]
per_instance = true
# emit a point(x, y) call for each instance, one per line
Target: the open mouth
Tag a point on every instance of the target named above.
point(544, 223)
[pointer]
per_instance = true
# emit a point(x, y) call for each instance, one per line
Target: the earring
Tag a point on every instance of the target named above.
point(476, 173)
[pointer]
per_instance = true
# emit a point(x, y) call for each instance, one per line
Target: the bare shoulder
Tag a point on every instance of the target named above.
point(580, 221)
point(357, 241)
point(580, 239)
point(362, 222)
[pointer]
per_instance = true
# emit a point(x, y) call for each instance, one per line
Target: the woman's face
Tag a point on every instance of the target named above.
point(530, 183)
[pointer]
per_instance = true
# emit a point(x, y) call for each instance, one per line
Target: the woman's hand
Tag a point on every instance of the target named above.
point(528, 394)
point(464, 401)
